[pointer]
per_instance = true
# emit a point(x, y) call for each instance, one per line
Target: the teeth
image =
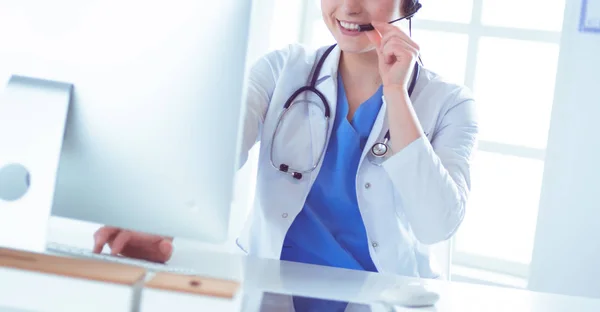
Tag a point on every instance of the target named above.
point(349, 26)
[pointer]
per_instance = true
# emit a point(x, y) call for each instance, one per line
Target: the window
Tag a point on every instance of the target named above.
point(506, 52)
point(505, 38)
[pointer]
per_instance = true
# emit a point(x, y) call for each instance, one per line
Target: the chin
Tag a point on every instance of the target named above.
point(355, 47)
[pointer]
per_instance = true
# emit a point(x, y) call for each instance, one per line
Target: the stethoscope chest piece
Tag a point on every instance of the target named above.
point(379, 149)
point(378, 153)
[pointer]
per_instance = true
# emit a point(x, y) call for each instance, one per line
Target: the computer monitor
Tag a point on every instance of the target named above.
point(151, 137)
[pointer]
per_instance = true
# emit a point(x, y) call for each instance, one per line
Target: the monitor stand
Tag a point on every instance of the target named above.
point(33, 114)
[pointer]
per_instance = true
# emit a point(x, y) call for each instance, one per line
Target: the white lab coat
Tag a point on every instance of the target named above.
point(415, 199)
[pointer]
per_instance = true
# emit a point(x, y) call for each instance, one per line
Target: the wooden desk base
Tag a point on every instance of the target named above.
point(190, 293)
point(41, 282)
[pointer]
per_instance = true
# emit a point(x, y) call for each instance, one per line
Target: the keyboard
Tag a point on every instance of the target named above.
point(76, 252)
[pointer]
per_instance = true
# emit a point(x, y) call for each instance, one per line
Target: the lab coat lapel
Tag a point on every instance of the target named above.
point(378, 130)
point(327, 84)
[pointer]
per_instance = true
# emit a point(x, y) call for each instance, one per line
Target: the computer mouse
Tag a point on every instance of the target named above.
point(410, 296)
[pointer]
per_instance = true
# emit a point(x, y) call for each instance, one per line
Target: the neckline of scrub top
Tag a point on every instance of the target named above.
point(364, 116)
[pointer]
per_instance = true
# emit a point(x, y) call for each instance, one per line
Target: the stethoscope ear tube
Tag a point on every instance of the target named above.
point(290, 101)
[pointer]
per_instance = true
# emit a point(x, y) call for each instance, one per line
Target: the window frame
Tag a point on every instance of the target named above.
point(475, 30)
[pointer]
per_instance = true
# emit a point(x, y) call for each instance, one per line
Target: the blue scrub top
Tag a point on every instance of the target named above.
point(329, 230)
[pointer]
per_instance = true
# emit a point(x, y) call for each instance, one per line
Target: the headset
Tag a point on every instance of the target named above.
point(411, 7)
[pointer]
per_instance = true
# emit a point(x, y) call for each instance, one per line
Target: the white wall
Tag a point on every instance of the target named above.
point(566, 256)
point(260, 28)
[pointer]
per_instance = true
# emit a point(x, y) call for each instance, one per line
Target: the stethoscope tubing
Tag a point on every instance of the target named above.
point(298, 174)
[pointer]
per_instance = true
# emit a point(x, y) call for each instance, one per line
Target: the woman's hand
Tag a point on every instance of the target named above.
point(133, 245)
point(397, 55)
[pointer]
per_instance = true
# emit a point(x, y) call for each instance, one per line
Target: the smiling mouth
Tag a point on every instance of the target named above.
point(349, 26)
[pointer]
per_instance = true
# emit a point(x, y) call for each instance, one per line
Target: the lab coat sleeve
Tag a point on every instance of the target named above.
point(262, 80)
point(433, 179)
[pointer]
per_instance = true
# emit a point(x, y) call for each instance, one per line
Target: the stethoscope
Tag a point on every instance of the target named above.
point(378, 151)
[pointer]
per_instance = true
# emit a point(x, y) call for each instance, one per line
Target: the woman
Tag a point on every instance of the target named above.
point(350, 211)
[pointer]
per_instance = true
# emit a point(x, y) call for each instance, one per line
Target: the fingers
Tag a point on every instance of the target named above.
point(375, 38)
point(103, 236)
point(395, 45)
point(166, 250)
point(398, 51)
point(392, 43)
point(134, 245)
point(389, 32)
point(399, 35)
point(120, 242)
point(159, 251)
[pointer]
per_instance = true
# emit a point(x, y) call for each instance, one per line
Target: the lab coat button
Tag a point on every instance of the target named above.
point(284, 215)
point(374, 244)
point(367, 185)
